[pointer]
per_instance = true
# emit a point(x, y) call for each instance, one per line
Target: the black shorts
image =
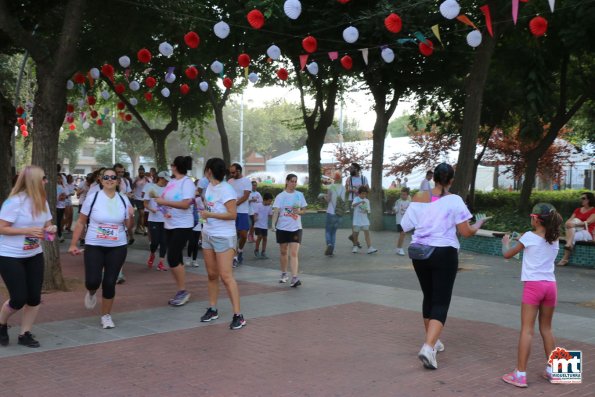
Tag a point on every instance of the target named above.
point(261, 232)
point(399, 228)
point(285, 237)
point(139, 204)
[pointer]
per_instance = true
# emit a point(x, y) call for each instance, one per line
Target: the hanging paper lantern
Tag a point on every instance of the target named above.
point(170, 78)
point(244, 60)
point(350, 34)
point(227, 82)
point(70, 119)
point(133, 101)
point(25, 134)
point(79, 78)
point(191, 72)
point(23, 127)
point(150, 82)
point(217, 67)
point(108, 71)
point(312, 68)
point(253, 77)
point(124, 61)
point(19, 110)
point(474, 38)
point(387, 54)
point(94, 114)
point(128, 117)
point(347, 62)
point(343, 1)
point(274, 52)
point(121, 115)
point(86, 125)
point(538, 26)
point(134, 85)
point(393, 23)
point(221, 29)
point(99, 122)
point(204, 86)
point(80, 103)
point(310, 44)
point(69, 109)
point(144, 55)
point(72, 127)
point(91, 100)
point(450, 9)
point(166, 49)
point(184, 89)
point(426, 48)
point(255, 19)
point(192, 39)
point(94, 72)
point(148, 96)
point(69, 85)
point(120, 88)
point(292, 8)
point(121, 105)
point(105, 95)
point(282, 74)
point(21, 121)
point(165, 92)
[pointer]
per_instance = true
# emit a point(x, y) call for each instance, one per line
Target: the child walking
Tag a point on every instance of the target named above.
point(540, 248)
point(399, 209)
point(262, 212)
point(361, 209)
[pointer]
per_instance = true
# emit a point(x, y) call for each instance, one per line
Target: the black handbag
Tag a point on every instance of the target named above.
point(420, 251)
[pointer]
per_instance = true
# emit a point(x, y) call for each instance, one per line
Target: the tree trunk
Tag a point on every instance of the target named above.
point(222, 134)
point(158, 140)
point(135, 160)
point(7, 123)
point(376, 191)
point(314, 144)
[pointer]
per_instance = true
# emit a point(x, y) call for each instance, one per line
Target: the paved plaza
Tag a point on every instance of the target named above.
point(352, 329)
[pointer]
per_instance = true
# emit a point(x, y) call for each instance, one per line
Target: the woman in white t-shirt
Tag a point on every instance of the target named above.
point(107, 214)
point(540, 248)
point(25, 219)
point(288, 208)
point(156, 219)
point(219, 241)
point(437, 216)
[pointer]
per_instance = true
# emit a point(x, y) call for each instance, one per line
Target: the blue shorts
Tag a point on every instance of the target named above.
point(242, 222)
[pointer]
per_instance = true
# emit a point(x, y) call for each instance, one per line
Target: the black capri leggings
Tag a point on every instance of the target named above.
point(193, 245)
point(59, 219)
point(176, 241)
point(436, 277)
point(23, 278)
point(108, 260)
point(157, 233)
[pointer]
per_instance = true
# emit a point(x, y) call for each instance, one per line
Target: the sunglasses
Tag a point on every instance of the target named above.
point(108, 177)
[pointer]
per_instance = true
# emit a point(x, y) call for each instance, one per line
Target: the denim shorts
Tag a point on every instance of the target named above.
point(358, 229)
point(219, 244)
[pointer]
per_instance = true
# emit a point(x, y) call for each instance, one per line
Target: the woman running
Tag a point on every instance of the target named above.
point(156, 220)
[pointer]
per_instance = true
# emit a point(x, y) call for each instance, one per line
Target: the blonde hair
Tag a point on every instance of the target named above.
point(30, 182)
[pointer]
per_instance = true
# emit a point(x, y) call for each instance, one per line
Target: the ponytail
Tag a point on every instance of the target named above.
point(552, 224)
point(183, 164)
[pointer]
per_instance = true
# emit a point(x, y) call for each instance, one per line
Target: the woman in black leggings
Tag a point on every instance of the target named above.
point(155, 220)
point(436, 216)
point(25, 219)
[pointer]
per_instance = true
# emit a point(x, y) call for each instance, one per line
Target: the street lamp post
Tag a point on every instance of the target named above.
point(242, 130)
point(113, 136)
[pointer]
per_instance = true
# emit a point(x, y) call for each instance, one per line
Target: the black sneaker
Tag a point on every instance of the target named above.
point(4, 334)
point(237, 322)
point(329, 250)
point(295, 283)
point(27, 340)
point(211, 314)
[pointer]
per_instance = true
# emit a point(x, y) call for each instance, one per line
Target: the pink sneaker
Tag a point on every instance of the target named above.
point(151, 260)
point(513, 379)
point(161, 267)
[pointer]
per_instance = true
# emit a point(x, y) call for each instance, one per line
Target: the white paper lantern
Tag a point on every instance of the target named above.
point(105, 95)
point(165, 92)
point(134, 85)
point(253, 77)
point(274, 52)
point(204, 86)
point(80, 103)
point(387, 55)
point(350, 34)
point(221, 29)
point(86, 125)
point(69, 85)
point(133, 101)
point(106, 111)
point(166, 49)
point(217, 67)
point(312, 68)
point(170, 78)
point(474, 38)
point(94, 72)
point(124, 61)
point(292, 8)
point(450, 9)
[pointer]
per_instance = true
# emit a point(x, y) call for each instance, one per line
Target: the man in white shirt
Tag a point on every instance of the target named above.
point(243, 187)
point(253, 199)
point(425, 184)
point(138, 186)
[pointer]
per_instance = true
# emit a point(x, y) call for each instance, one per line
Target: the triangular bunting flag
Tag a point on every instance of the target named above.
point(436, 31)
point(552, 4)
point(486, 12)
point(419, 36)
point(365, 55)
point(515, 10)
point(246, 72)
point(333, 55)
point(303, 61)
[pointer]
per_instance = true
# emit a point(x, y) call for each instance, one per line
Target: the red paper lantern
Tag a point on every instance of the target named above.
point(310, 44)
point(144, 55)
point(120, 88)
point(426, 48)
point(23, 127)
point(148, 96)
point(20, 110)
point(91, 100)
point(21, 121)
point(244, 60)
point(108, 71)
point(191, 72)
point(72, 127)
point(393, 23)
point(192, 39)
point(343, 1)
point(227, 82)
point(347, 62)
point(538, 26)
point(121, 105)
point(121, 115)
point(255, 19)
point(70, 119)
point(282, 74)
point(150, 82)
point(99, 122)
point(128, 117)
point(184, 89)
point(69, 108)
point(94, 114)
point(79, 78)
point(25, 134)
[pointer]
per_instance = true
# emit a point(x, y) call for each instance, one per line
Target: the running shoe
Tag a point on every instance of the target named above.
point(515, 380)
point(121, 278)
point(235, 262)
point(240, 258)
point(27, 340)
point(372, 250)
point(546, 375)
point(107, 322)
point(161, 267)
point(151, 260)
point(400, 252)
point(295, 282)
point(329, 250)
point(427, 355)
point(187, 260)
point(439, 346)
point(284, 278)
point(194, 263)
point(256, 253)
point(180, 298)
point(90, 300)
point(354, 249)
point(263, 255)
point(210, 315)
point(237, 322)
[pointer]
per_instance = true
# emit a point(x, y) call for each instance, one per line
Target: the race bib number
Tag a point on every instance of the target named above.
point(289, 211)
point(108, 232)
point(30, 243)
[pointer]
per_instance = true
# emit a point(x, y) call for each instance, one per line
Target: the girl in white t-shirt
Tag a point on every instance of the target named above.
point(156, 220)
point(25, 219)
point(540, 248)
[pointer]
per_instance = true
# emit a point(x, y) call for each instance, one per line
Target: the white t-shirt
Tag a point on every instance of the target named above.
point(355, 182)
point(178, 190)
point(125, 186)
point(106, 221)
point(151, 191)
point(538, 258)
point(400, 208)
point(335, 190)
point(83, 191)
point(215, 198)
point(360, 213)
point(59, 191)
point(203, 183)
point(425, 185)
point(286, 202)
point(70, 192)
point(262, 213)
point(17, 210)
point(253, 196)
point(240, 186)
point(139, 186)
point(436, 223)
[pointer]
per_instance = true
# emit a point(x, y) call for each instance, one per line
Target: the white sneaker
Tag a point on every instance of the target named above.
point(106, 322)
point(427, 355)
point(372, 250)
point(439, 346)
point(194, 264)
point(187, 260)
point(284, 278)
point(400, 252)
point(354, 250)
point(90, 300)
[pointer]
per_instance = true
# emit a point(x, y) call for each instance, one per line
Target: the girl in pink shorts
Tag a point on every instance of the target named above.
point(540, 248)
